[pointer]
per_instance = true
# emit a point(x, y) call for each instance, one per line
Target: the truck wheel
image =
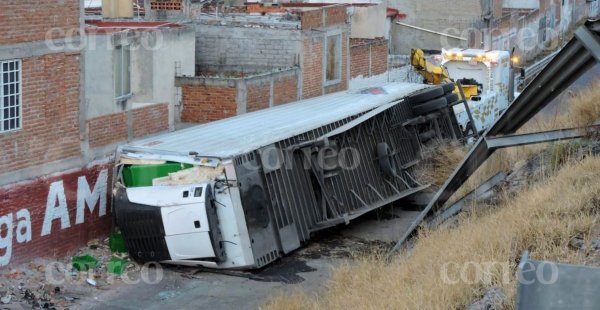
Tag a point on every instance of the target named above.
point(448, 87)
point(429, 106)
point(451, 98)
point(426, 95)
point(386, 162)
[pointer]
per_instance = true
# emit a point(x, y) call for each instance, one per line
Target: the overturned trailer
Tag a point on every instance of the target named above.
point(242, 192)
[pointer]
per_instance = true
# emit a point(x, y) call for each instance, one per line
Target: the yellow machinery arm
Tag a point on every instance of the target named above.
point(436, 75)
point(433, 74)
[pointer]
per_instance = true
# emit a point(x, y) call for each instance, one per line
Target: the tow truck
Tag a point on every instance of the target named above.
point(484, 77)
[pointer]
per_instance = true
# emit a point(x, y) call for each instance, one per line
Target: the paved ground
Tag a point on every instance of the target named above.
point(308, 268)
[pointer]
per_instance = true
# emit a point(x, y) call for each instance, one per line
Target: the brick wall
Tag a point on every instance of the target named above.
point(257, 96)
point(311, 19)
point(343, 84)
point(50, 110)
point(206, 103)
point(323, 17)
point(40, 204)
point(335, 15)
point(107, 129)
point(368, 57)
point(379, 57)
point(150, 119)
point(312, 72)
point(360, 58)
point(285, 90)
point(31, 20)
point(211, 99)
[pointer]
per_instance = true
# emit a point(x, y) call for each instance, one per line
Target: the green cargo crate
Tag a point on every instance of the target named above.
point(116, 242)
point(85, 262)
point(142, 175)
point(116, 265)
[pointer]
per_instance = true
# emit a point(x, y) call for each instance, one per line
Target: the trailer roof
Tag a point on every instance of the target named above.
point(247, 132)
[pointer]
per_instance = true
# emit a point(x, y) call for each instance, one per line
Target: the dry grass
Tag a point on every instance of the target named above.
point(542, 220)
point(440, 157)
point(580, 110)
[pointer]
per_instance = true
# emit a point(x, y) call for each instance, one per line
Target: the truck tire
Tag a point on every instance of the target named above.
point(386, 162)
point(448, 87)
point(451, 98)
point(426, 95)
point(430, 106)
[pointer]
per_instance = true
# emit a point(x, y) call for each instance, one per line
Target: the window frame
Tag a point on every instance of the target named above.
point(18, 94)
point(118, 55)
point(338, 58)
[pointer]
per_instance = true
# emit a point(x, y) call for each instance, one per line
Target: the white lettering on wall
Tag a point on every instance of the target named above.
point(56, 209)
point(84, 196)
point(53, 212)
point(6, 241)
point(23, 232)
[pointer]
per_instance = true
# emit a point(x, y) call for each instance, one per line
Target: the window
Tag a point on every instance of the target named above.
point(10, 95)
point(333, 59)
point(122, 68)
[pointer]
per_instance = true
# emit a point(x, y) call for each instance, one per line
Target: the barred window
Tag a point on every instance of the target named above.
point(10, 95)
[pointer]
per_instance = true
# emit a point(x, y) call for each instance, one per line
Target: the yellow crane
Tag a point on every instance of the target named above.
point(436, 75)
point(431, 73)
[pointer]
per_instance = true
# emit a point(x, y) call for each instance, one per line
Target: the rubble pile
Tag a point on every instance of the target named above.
point(56, 283)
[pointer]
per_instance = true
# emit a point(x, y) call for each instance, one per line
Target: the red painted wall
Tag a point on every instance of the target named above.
point(42, 198)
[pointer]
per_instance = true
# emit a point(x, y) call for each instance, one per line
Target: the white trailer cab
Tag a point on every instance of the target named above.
point(485, 76)
point(243, 191)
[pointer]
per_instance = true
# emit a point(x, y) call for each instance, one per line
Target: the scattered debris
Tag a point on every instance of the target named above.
point(580, 244)
point(59, 284)
point(493, 299)
point(6, 299)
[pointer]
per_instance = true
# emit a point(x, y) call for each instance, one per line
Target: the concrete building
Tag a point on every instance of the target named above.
point(529, 26)
point(65, 104)
point(260, 56)
point(371, 26)
point(432, 25)
point(246, 62)
point(131, 67)
point(53, 199)
point(533, 26)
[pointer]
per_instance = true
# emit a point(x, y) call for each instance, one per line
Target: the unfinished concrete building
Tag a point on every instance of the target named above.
point(246, 62)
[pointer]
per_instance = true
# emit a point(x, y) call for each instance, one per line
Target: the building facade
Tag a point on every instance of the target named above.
point(52, 192)
point(67, 99)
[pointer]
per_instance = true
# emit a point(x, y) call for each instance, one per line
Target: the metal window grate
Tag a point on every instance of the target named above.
point(10, 95)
